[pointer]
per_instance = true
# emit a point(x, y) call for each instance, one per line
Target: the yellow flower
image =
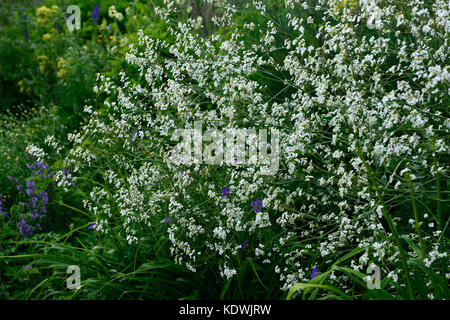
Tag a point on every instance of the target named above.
point(43, 15)
point(61, 62)
point(20, 83)
point(62, 73)
point(352, 4)
point(46, 37)
point(45, 65)
point(55, 9)
point(24, 86)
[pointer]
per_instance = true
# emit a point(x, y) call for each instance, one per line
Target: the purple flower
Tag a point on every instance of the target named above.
point(5, 213)
point(91, 226)
point(41, 165)
point(44, 196)
point(35, 215)
point(1, 206)
point(12, 179)
point(65, 172)
point(244, 244)
point(167, 220)
point(24, 228)
point(257, 205)
point(25, 27)
point(225, 192)
point(33, 201)
point(96, 14)
point(44, 209)
point(315, 272)
point(30, 183)
point(27, 267)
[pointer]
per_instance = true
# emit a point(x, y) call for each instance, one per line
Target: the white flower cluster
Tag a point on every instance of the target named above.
point(36, 152)
point(359, 93)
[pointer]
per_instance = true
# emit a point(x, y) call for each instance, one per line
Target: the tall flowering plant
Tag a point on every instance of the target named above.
point(358, 92)
point(34, 199)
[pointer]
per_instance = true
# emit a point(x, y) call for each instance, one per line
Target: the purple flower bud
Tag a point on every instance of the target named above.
point(315, 272)
point(257, 205)
point(244, 244)
point(225, 193)
point(96, 14)
point(44, 196)
point(35, 215)
point(41, 165)
point(24, 229)
point(33, 201)
point(25, 27)
point(30, 183)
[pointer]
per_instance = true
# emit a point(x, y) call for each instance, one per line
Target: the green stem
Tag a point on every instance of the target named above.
point(416, 215)
point(438, 202)
point(438, 194)
point(373, 186)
